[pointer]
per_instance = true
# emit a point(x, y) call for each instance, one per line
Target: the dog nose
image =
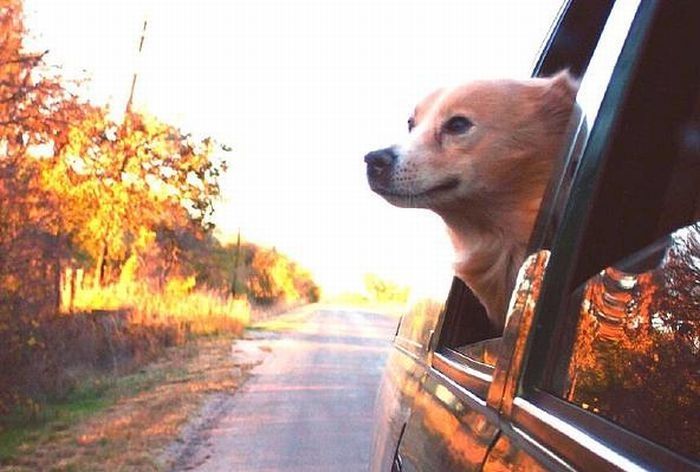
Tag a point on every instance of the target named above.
point(379, 161)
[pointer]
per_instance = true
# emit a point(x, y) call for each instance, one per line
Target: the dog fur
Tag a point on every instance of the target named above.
point(480, 155)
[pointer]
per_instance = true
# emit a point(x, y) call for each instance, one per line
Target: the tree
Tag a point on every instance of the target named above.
point(35, 109)
point(381, 290)
point(273, 277)
point(121, 178)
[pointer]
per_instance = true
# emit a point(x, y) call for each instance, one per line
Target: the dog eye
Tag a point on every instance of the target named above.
point(457, 125)
point(411, 124)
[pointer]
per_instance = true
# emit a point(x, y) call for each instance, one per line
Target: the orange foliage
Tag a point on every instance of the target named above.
point(124, 205)
point(275, 278)
point(78, 192)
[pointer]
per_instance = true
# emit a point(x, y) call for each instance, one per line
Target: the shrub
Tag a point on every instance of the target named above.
point(383, 291)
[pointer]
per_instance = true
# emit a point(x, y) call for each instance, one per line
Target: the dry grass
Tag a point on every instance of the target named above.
point(115, 330)
point(200, 312)
point(145, 413)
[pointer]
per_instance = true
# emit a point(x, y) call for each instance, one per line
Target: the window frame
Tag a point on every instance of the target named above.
point(580, 437)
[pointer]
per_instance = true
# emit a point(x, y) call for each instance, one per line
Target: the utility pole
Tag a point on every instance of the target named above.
point(236, 261)
point(101, 266)
point(131, 92)
point(133, 80)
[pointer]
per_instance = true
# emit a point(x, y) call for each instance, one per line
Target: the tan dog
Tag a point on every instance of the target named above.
point(480, 156)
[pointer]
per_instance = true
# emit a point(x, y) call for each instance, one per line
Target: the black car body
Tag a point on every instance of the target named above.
point(599, 364)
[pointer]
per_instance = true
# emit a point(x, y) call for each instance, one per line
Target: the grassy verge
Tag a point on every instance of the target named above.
point(114, 329)
point(120, 423)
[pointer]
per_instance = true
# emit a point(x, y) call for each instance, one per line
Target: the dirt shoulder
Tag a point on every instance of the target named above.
point(191, 446)
point(149, 419)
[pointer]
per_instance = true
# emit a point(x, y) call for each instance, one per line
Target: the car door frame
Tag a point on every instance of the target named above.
point(538, 422)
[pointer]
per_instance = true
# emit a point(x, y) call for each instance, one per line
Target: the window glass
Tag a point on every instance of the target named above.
point(466, 329)
point(618, 323)
point(636, 355)
point(628, 336)
point(418, 323)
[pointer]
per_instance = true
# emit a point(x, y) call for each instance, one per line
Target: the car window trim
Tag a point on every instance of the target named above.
point(566, 52)
point(464, 370)
point(465, 393)
point(580, 437)
point(409, 347)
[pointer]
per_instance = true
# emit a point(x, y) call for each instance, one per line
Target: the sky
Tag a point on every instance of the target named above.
point(301, 91)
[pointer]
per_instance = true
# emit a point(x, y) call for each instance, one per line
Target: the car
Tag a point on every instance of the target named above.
point(598, 367)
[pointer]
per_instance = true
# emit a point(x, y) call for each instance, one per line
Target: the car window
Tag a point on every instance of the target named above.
point(636, 353)
point(466, 335)
point(623, 288)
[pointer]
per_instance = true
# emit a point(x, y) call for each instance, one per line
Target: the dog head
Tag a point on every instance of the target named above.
point(486, 141)
point(480, 155)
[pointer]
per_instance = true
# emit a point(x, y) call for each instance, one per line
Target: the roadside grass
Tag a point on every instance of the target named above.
point(191, 311)
point(18, 431)
point(107, 331)
point(120, 423)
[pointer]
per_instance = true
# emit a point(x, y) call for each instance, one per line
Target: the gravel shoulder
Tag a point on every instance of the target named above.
point(307, 401)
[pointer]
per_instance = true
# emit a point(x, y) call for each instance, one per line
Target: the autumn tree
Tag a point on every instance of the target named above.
point(382, 290)
point(35, 109)
point(273, 277)
point(120, 179)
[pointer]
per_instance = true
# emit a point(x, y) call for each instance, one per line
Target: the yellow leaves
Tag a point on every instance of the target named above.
point(180, 286)
point(129, 269)
point(114, 179)
point(382, 290)
point(275, 278)
point(144, 239)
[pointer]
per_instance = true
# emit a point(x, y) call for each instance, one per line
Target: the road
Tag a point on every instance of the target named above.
point(308, 405)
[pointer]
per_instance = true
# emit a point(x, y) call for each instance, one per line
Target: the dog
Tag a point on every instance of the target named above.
point(480, 156)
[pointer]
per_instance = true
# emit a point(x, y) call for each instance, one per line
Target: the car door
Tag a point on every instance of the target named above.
point(608, 375)
point(404, 368)
point(454, 416)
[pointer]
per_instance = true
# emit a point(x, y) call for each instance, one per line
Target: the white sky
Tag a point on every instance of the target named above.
point(301, 91)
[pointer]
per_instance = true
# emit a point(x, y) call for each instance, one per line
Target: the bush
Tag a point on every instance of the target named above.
point(114, 330)
point(383, 291)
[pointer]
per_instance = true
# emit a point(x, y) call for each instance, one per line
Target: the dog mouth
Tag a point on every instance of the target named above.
point(444, 186)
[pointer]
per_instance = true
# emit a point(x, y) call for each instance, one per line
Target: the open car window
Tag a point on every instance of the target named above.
point(466, 336)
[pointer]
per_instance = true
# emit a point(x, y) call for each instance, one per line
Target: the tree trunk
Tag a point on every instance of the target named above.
point(101, 266)
point(57, 282)
point(236, 259)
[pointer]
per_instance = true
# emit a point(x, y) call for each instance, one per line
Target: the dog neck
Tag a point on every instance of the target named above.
point(488, 253)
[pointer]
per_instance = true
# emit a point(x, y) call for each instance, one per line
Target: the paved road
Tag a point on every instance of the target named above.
point(308, 406)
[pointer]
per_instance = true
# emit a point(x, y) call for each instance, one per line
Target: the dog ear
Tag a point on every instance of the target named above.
point(558, 96)
point(562, 87)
